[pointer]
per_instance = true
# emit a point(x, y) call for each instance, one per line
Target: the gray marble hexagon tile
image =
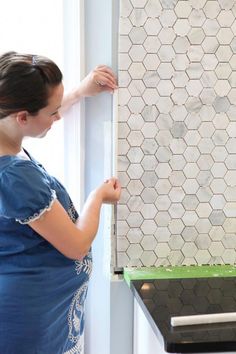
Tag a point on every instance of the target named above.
point(177, 132)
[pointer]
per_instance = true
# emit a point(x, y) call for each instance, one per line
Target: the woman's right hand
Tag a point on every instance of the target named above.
point(74, 240)
point(109, 191)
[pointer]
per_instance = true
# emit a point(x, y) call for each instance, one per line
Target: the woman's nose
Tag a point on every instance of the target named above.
point(57, 117)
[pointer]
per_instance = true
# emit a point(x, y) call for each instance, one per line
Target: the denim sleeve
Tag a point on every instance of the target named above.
point(25, 192)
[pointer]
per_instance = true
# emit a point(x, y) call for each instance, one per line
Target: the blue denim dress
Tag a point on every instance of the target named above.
point(42, 292)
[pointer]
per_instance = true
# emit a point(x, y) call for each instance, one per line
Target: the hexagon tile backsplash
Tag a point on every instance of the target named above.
point(177, 132)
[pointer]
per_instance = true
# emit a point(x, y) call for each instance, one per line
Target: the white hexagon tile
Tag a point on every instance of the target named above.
point(177, 132)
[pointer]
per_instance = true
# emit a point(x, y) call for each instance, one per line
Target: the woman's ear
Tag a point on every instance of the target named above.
point(22, 117)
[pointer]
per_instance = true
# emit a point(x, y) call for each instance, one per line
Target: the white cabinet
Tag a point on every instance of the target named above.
point(145, 341)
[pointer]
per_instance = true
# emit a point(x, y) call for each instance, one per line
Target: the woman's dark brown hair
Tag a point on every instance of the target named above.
point(26, 81)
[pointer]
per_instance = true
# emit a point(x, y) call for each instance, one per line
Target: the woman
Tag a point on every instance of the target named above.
point(45, 257)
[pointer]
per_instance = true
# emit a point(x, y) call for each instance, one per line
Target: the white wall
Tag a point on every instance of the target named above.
point(98, 111)
point(109, 303)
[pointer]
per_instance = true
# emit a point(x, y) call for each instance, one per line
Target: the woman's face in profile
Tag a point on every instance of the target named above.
point(40, 124)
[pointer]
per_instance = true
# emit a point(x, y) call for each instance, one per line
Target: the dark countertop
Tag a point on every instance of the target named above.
point(169, 294)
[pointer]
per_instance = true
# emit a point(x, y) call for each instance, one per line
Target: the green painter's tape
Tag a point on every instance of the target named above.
point(178, 272)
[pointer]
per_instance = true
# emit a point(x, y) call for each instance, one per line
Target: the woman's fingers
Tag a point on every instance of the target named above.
point(113, 190)
point(105, 77)
point(106, 69)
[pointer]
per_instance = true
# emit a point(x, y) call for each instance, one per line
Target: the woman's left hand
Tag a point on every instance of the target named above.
point(99, 80)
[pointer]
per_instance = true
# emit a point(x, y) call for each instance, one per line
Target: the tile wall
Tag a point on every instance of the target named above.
point(177, 132)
